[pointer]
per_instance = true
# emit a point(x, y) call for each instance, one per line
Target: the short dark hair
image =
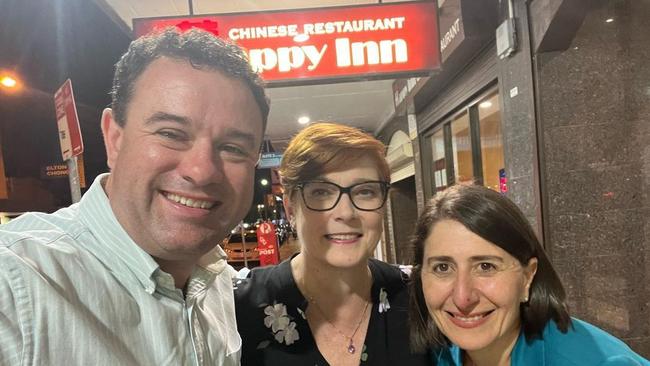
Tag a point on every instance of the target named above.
point(495, 218)
point(199, 48)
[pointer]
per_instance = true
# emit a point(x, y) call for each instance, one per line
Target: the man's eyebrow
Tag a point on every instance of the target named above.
point(164, 116)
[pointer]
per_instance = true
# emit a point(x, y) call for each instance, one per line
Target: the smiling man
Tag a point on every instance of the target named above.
point(116, 279)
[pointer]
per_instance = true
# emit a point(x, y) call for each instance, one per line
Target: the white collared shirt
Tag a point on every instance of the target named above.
point(76, 290)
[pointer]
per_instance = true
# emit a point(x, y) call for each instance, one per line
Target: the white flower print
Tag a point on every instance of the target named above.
point(277, 318)
point(282, 328)
point(384, 305)
point(289, 335)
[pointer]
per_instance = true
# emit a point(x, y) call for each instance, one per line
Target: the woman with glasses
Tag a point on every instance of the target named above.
point(331, 304)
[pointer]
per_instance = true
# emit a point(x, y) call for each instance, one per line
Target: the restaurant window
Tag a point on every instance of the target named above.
point(439, 166)
point(491, 140)
point(461, 145)
point(468, 147)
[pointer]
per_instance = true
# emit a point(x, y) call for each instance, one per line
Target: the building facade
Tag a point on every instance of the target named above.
point(556, 116)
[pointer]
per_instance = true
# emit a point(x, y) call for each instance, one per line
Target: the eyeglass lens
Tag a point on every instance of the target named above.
point(324, 195)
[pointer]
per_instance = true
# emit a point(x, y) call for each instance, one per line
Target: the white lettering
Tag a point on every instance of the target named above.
point(342, 52)
point(450, 35)
point(370, 52)
point(314, 55)
point(401, 51)
point(359, 53)
point(271, 31)
point(286, 58)
point(290, 57)
point(264, 59)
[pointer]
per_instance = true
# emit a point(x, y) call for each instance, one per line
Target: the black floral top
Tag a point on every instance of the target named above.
point(271, 320)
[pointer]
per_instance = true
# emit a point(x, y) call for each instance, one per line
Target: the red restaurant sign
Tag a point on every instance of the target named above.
point(326, 43)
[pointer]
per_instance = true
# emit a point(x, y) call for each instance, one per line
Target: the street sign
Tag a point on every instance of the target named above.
point(68, 122)
point(269, 160)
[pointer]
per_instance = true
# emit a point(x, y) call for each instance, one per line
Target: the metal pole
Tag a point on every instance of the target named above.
point(243, 243)
point(191, 6)
point(73, 177)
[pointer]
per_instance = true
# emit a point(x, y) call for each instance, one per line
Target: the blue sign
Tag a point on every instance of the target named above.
point(269, 160)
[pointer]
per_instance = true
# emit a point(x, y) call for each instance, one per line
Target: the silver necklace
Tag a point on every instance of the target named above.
point(351, 348)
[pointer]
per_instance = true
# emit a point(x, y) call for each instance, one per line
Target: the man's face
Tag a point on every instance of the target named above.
point(182, 167)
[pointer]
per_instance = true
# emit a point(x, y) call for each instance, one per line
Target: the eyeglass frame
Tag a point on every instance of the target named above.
point(346, 190)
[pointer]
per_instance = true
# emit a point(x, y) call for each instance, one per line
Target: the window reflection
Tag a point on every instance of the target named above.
point(491, 140)
point(461, 144)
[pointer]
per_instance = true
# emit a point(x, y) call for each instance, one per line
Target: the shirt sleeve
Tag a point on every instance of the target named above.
point(12, 347)
point(623, 360)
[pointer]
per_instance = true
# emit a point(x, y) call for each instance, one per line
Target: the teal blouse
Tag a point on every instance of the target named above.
point(583, 345)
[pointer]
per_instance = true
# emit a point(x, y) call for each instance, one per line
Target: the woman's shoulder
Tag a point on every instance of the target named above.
point(262, 284)
point(597, 347)
point(391, 274)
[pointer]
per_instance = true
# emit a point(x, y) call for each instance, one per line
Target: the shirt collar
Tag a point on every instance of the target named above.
point(112, 245)
point(530, 352)
point(115, 248)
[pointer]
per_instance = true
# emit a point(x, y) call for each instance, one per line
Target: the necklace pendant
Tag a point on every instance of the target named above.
point(351, 348)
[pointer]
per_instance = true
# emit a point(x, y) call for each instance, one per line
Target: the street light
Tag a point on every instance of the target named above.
point(8, 82)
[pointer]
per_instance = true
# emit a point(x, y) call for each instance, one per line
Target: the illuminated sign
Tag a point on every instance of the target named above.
point(370, 41)
point(269, 160)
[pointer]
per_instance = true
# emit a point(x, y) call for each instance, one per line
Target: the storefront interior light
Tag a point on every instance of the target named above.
point(8, 81)
point(486, 104)
point(304, 120)
point(609, 20)
point(264, 182)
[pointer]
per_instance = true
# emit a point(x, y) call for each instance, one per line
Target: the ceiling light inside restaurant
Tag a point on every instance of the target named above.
point(304, 120)
point(486, 104)
point(609, 20)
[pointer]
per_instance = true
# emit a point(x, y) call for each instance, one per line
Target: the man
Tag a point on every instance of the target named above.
point(115, 279)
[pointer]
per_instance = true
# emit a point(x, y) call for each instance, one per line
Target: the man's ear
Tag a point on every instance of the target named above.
point(113, 133)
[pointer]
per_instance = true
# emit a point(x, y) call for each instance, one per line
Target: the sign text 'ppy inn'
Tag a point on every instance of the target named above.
point(325, 43)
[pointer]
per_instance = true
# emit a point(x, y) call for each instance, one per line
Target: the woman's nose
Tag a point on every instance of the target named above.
point(344, 209)
point(465, 295)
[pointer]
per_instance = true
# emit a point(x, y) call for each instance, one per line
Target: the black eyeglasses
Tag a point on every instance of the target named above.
point(324, 196)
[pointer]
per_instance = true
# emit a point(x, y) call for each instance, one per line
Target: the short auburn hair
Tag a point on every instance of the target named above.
point(324, 146)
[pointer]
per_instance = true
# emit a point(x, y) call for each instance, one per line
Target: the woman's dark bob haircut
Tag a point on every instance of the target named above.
point(496, 219)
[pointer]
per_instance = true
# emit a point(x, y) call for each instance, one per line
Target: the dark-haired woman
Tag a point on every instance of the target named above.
point(485, 293)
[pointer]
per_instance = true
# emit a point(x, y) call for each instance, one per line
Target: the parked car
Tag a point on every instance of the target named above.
point(236, 249)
